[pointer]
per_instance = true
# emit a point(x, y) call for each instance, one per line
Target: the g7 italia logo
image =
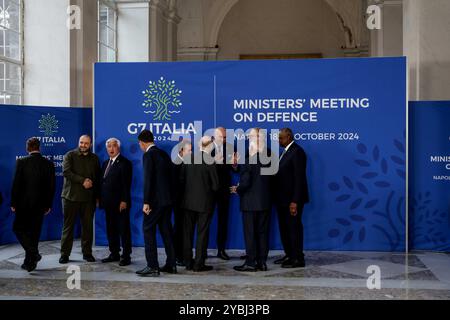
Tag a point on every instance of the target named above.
point(162, 99)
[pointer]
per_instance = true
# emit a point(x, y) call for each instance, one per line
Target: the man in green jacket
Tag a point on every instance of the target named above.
point(82, 174)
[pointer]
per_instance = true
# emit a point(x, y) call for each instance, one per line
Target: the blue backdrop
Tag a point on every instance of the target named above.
point(356, 168)
point(429, 178)
point(58, 130)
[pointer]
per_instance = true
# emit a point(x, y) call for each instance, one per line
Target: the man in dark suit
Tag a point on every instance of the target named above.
point(254, 189)
point(290, 196)
point(157, 206)
point(223, 153)
point(32, 195)
point(200, 182)
point(184, 150)
point(115, 198)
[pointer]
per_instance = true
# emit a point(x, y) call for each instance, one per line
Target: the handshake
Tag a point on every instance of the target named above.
point(233, 189)
point(88, 184)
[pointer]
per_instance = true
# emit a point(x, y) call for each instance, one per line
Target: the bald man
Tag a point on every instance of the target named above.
point(199, 180)
point(81, 191)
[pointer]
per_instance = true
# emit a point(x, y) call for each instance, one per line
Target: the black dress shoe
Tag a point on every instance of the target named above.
point(180, 263)
point(88, 257)
point(64, 259)
point(124, 261)
point(245, 268)
point(148, 272)
point(111, 258)
point(31, 266)
point(223, 255)
point(297, 263)
point(202, 268)
point(261, 266)
point(281, 260)
point(168, 269)
point(189, 266)
point(38, 257)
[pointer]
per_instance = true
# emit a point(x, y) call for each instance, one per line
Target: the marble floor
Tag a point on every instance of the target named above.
point(327, 275)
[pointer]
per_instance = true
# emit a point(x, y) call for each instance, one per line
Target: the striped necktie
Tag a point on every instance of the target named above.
point(108, 168)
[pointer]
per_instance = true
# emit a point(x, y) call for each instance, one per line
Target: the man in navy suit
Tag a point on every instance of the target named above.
point(254, 189)
point(290, 196)
point(32, 195)
point(115, 198)
point(157, 206)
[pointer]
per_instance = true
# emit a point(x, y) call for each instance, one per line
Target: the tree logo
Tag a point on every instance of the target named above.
point(48, 124)
point(162, 99)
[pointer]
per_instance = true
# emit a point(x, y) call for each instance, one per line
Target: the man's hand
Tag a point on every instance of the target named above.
point(87, 184)
point(293, 209)
point(123, 206)
point(146, 209)
point(13, 209)
point(236, 158)
point(233, 189)
point(48, 211)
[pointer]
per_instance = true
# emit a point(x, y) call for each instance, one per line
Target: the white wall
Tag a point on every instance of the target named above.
point(47, 71)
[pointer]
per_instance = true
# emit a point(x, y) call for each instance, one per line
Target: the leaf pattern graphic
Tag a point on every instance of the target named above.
point(376, 153)
point(342, 198)
point(362, 163)
point(362, 148)
point(348, 182)
point(362, 188)
point(370, 175)
point(355, 204)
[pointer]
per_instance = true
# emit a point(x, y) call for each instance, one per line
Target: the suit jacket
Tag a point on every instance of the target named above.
point(116, 186)
point(254, 189)
point(76, 168)
point(290, 182)
point(225, 169)
point(177, 188)
point(33, 186)
point(200, 182)
point(157, 178)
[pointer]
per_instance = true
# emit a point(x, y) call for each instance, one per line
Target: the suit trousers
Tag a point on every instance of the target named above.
point(71, 209)
point(256, 235)
point(291, 231)
point(118, 230)
point(178, 232)
point(160, 217)
point(223, 208)
point(27, 227)
point(203, 221)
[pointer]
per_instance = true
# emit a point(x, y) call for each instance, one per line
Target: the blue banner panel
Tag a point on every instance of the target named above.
point(58, 130)
point(429, 174)
point(348, 114)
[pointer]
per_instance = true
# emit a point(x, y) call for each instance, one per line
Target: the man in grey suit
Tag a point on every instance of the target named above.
point(200, 182)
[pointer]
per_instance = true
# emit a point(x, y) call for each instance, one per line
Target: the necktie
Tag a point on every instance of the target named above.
point(108, 168)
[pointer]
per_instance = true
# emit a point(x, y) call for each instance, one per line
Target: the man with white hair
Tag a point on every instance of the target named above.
point(115, 199)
